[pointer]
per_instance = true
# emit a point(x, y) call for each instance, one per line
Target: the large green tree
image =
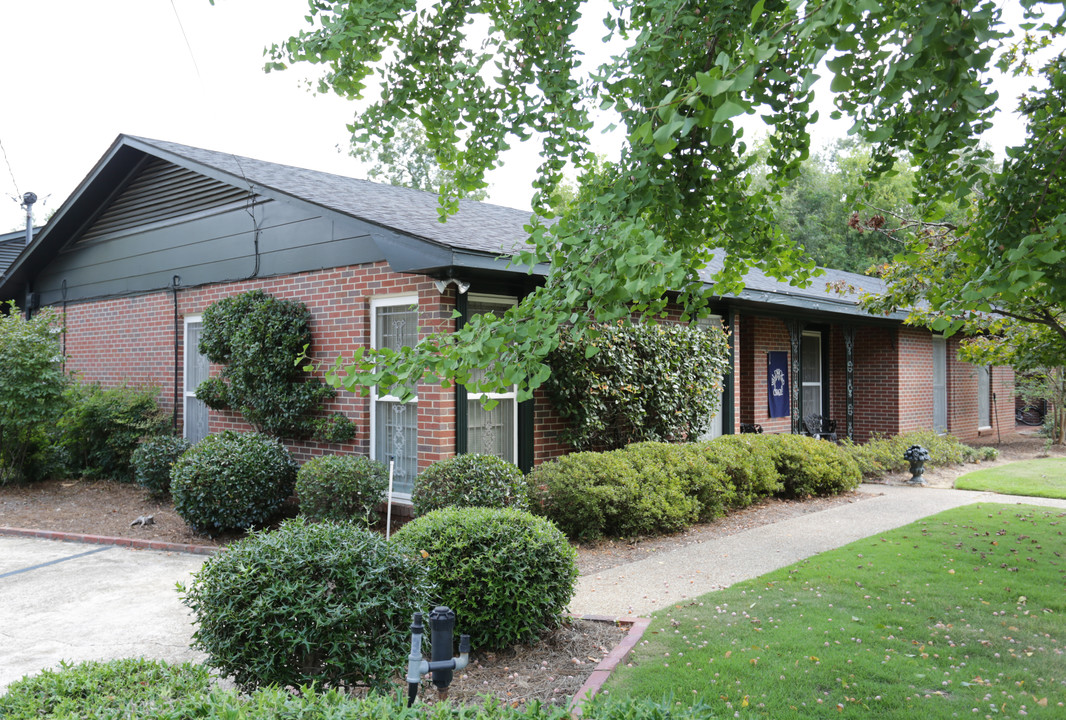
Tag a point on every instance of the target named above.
point(817, 211)
point(405, 159)
point(482, 74)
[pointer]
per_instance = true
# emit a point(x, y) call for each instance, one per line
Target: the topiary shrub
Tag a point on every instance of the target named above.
point(507, 574)
point(232, 481)
point(809, 466)
point(113, 689)
point(153, 461)
point(324, 603)
point(747, 464)
point(257, 337)
point(341, 487)
point(626, 383)
point(470, 480)
point(102, 426)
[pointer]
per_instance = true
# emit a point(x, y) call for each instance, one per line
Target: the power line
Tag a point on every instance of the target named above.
point(10, 171)
point(187, 44)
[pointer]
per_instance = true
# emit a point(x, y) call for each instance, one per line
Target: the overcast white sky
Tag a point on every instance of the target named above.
point(76, 73)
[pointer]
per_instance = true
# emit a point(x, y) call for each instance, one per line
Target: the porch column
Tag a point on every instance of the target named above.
point(849, 398)
point(795, 337)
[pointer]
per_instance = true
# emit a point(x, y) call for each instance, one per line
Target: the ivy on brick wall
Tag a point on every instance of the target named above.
point(629, 383)
point(257, 337)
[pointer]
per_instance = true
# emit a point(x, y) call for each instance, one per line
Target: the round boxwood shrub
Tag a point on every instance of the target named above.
point(153, 461)
point(324, 603)
point(809, 466)
point(470, 481)
point(507, 574)
point(341, 487)
point(232, 481)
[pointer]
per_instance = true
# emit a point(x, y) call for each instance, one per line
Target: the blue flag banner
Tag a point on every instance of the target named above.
point(777, 384)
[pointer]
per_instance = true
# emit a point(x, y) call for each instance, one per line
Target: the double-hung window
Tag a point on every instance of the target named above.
point(811, 362)
point(394, 424)
point(495, 431)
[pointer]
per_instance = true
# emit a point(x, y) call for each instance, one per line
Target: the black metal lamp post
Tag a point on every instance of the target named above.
point(916, 455)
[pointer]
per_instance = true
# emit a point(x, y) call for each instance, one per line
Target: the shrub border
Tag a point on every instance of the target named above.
point(132, 543)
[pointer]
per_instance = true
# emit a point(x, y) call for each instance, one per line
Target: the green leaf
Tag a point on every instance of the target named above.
point(728, 109)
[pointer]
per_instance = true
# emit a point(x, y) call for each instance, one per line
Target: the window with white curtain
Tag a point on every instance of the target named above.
point(495, 431)
point(197, 369)
point(393, 424)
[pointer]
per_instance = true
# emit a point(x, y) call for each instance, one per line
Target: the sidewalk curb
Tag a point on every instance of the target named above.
point(599, 676)
point(132, 543)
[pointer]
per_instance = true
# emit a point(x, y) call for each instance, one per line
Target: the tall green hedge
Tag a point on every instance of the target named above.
point(628, 383)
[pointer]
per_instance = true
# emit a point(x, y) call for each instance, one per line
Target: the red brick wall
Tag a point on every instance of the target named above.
point(131, 340)
point(760, 336)
point(877, 367)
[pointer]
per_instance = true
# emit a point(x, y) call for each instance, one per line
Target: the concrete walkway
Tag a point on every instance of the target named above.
point(75, 602)
point(664, 579)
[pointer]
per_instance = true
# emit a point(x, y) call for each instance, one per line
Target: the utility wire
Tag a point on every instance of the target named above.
point(10, 171)
point(187, 44)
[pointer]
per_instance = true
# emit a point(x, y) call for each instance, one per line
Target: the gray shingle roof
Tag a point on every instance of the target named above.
point(478, 226)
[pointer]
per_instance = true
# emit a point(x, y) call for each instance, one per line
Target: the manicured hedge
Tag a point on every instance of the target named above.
point(883, 455)
point(809, 466)
point(654, 488)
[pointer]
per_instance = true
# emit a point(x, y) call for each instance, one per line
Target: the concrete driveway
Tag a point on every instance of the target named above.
point(75, 602)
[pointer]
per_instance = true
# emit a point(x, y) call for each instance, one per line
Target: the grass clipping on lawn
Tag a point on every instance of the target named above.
point(1044, 477)
point(962, 614)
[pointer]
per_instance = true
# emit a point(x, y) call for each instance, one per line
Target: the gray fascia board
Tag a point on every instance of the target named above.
point(801, 302)
point(413, 259)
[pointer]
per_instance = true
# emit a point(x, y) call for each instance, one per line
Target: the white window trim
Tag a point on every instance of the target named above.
point(402, 498)
point(186, 392)
point(716, 427)
point(821, 376)
point(513, 394)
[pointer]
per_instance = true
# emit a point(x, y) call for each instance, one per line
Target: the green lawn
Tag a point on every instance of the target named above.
point(960, 615)
point(1035, 478)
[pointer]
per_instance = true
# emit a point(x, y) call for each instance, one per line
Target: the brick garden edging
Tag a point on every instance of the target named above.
point(595, 681)
point(131, 543)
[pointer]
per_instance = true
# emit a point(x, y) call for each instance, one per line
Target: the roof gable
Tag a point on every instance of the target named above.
point(158, 192)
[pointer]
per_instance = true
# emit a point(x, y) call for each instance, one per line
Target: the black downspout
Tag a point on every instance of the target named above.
point(175, 282)
point(461, 419)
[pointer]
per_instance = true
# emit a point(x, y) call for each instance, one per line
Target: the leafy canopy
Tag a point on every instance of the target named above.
point(482, 75)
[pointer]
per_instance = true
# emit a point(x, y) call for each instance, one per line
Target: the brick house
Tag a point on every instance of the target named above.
point(158, 231)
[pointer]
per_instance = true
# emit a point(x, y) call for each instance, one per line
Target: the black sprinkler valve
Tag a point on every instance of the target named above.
point(441, 663)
